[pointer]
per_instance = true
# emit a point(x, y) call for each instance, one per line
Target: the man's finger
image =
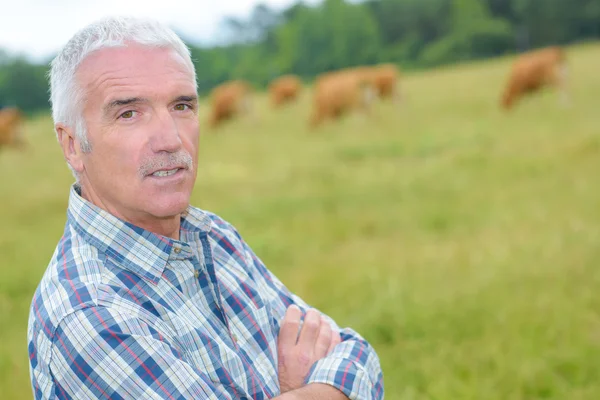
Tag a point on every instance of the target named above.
point(323, 340)
point(310, 329)
point(335, 340)
point(288, 334)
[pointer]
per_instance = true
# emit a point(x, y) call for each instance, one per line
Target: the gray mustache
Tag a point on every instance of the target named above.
point(170, 161)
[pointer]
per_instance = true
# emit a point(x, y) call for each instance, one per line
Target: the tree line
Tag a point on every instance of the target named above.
point(307, 40)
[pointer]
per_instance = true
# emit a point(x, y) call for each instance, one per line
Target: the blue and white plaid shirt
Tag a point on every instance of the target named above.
point(123, 313)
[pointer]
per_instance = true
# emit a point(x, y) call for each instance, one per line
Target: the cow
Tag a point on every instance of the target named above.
point(534, 70)
point(339, 92)
point(284, 89)
point(228, 100)
point(11, 128)
point(385, 78)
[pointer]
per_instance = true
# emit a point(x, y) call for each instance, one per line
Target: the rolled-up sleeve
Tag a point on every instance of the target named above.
point(98, 353)
point(353, 367)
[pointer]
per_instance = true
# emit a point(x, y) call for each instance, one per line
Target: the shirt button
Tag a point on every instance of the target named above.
point(234, 338)
point(196, 274)
point(177, 250)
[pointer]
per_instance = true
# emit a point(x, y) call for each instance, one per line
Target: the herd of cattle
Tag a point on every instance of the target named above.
point(343, 91)
point(355, 89)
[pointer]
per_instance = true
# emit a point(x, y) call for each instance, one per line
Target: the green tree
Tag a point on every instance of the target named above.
point(24, 85)
point(474, 34)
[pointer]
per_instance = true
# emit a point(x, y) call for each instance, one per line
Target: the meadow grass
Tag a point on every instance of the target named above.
point(463, 243)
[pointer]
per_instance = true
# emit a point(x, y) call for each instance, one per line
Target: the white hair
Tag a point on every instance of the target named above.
point(67, 97)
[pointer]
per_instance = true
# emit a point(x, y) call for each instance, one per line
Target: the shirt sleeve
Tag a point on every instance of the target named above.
point(98, 353)
point(353, 367)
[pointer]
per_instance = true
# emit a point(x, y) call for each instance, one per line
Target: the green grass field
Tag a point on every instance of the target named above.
point(460, 241)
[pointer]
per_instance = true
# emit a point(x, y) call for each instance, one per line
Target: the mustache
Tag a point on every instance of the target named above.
point(170, 161)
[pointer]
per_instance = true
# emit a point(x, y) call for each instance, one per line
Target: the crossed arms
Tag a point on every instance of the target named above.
point(101, 352)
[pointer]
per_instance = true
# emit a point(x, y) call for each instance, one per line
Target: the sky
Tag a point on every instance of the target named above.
point(39, 28)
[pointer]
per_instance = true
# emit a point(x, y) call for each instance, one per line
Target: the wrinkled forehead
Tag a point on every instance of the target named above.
point(134, 64)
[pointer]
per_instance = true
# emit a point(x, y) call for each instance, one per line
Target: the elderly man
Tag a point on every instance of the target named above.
point(146, 296)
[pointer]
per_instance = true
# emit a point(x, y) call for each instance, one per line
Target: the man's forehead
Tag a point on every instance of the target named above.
point(118, 67)
point(129, 51)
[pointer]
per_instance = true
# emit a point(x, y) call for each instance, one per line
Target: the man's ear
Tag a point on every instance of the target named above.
point(70, 146)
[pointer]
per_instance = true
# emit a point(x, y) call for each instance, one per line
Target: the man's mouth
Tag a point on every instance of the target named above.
point(166, 172)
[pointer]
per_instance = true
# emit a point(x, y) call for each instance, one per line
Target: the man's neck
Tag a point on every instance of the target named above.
point(168, 226)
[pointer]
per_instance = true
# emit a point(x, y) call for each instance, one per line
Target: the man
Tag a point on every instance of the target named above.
point(149, 297)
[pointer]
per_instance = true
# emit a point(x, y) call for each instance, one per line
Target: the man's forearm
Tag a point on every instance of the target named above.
point(313, 391)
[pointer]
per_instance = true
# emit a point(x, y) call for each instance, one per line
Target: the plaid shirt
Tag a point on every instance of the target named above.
point(123, 313)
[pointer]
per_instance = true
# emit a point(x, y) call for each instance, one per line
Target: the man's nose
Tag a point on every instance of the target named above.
point(165, 134)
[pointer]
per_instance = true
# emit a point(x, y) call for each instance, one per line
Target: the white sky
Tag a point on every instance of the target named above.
point(39, 28)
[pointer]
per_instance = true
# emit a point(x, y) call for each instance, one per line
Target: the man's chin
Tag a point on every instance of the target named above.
point(169, 208)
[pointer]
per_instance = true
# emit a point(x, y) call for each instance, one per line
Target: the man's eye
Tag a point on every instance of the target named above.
point(182, 107)
point(127, 114)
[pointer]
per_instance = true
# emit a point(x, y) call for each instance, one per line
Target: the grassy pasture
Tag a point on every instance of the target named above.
point(462, 242)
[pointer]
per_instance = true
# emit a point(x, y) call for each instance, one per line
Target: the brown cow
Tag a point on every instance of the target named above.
point(228, 100)
point(339, 92)
point(533, 71)
point(385, 79)
point(11, 124)
point(284, 89)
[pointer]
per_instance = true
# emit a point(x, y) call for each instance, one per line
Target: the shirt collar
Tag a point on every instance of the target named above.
point(142, 252)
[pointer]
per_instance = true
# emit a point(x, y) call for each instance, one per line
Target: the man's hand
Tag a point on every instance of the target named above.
point(297, 353)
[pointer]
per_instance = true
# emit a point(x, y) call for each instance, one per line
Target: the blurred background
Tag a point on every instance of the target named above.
point(458, 236)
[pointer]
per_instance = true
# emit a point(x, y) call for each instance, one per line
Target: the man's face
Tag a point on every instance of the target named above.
point(141, 115)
